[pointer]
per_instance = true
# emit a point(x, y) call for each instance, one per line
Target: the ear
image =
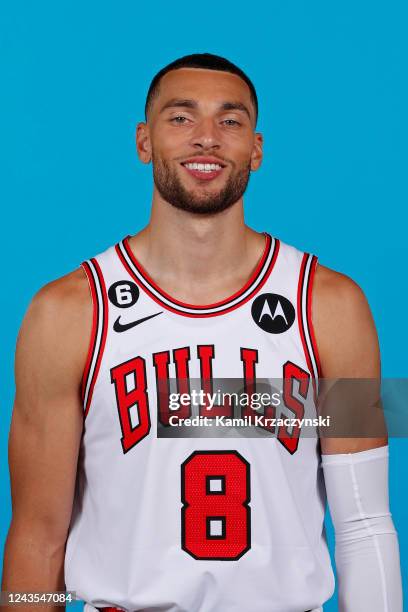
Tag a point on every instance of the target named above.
point(143, 144)
point(257, 154)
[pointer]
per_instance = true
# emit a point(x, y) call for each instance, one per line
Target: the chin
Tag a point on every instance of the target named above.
point(200, 189)
point(204, 201)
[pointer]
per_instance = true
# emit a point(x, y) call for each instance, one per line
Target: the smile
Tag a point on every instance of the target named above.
point(203, 171)
point(203, 167)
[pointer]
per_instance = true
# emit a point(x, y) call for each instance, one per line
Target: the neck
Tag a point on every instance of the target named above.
point(193, 256)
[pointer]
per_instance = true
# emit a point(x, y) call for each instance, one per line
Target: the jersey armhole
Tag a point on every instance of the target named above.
point(304, 303)
point(309, 315)
point(98, 332)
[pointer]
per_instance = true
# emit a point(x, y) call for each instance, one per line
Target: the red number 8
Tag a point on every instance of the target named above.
point(215, 491)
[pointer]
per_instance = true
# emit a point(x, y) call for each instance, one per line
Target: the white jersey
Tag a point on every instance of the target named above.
point(223, 523)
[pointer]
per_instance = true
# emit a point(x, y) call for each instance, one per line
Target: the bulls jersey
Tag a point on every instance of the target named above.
point(226, 523)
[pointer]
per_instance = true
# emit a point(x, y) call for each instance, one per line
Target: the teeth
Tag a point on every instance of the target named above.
point(203, 167)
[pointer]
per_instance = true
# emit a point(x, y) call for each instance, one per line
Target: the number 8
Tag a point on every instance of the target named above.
point(215, 518)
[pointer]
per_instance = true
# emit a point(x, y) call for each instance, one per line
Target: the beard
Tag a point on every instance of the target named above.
point(171, 189)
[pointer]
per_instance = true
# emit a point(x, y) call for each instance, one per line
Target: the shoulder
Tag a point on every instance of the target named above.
point(337, 293)
point(70, 289)
point(62, 301)
point(344, 327)
point(58, 322)
point(334, 293)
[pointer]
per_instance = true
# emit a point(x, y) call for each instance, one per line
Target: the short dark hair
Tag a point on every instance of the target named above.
point(200, 60)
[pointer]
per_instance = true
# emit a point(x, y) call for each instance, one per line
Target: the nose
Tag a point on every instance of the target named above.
point(206, 135)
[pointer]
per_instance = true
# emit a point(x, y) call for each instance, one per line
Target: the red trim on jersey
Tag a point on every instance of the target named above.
point(300, 321)
point(149, 281)
point(101, 347)
point(309, 314)
point(95, 315)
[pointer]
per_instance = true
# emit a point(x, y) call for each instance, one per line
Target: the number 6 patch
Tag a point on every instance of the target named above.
point(123, 294)
point(216, 517)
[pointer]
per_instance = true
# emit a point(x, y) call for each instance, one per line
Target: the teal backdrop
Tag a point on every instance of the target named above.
point(332, 86)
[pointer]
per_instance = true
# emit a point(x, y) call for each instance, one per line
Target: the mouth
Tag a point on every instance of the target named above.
point(205, 170)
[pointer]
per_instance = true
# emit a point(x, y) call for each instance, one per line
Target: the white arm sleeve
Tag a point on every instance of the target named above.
point(366, 547)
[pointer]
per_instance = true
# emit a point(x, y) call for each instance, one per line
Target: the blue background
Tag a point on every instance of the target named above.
point(331, 81)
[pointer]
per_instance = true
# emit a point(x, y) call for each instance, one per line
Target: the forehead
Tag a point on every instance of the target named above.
point(205, 86)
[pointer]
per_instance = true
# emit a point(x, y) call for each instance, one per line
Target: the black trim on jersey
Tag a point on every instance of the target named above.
point(95, 326)
point(308, 309)
point(303, 303)
point(99, 330)
point(243, 295)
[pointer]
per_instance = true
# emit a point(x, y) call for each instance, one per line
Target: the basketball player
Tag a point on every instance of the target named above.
point(132, 521)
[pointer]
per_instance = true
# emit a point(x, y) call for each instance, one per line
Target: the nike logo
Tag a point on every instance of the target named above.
point(119, 327)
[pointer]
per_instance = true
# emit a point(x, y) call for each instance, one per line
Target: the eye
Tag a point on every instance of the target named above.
point(231, 122)
point(180, 119)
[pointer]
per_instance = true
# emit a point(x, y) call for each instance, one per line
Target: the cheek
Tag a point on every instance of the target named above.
point(167, 140)
point(240, 148)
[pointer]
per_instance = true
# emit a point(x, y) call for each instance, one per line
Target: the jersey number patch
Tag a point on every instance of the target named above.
point(216, 517)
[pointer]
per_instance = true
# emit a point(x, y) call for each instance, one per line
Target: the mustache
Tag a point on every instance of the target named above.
point(203, 154)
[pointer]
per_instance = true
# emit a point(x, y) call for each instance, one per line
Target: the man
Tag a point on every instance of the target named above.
point(193, 524)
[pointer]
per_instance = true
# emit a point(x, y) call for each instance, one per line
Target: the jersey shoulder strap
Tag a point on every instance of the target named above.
point(96, 270)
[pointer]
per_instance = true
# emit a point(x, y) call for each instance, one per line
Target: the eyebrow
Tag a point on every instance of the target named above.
point(177, 102)
point(235, 106)
point(187, 103)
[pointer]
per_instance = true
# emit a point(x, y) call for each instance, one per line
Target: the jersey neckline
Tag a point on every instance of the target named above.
point(237, 299)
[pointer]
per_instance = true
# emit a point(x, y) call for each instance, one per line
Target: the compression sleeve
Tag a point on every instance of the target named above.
point(366, 545)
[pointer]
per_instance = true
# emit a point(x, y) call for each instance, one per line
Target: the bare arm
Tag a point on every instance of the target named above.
point(347, 342)
point(45, 434)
